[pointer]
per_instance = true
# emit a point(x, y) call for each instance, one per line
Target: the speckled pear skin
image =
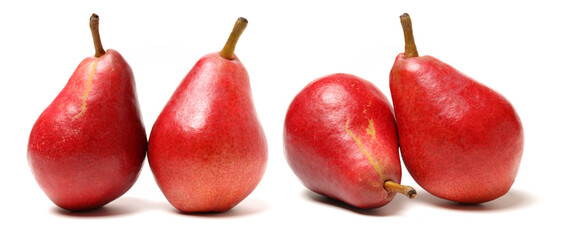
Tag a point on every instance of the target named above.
point(207, 149)
point(87, 147)
point(340, 140)
point(459, 139)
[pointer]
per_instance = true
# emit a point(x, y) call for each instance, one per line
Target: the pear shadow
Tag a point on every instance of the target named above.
point(389, 209)
point(514, 199)
point(249, 206)
point(105, 211)
point(120, 207)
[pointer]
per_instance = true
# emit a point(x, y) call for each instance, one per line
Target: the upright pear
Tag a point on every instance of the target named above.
point(207, 148)
point(340, 139)
point(459, 139)
point(87, 147)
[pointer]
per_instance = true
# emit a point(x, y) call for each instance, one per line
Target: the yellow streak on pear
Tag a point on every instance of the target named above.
point(361, 147)
point(370, 130)
point(86, 94)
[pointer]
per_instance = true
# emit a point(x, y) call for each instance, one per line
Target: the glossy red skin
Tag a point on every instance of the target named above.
point(459, 139)
point(207, 148)
point(83, 161)
point(326, 157)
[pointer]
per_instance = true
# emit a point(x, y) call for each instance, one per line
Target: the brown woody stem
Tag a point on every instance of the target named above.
point(227, 51)
point(408, 191)
point(411, 49)
point(99, 50)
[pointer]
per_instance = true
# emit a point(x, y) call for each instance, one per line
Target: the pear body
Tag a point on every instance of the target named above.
point(340, 140)
point(207, 149)
point(87, 147)
point(459, 139)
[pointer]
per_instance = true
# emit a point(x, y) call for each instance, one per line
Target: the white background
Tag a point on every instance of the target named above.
point(517, 48)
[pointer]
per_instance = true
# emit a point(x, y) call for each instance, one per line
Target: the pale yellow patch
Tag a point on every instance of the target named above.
point(370, 130)
point(361, 147)
point(88, 88)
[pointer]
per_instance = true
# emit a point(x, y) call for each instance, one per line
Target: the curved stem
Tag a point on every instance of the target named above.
point(99, 50)
point(227, 51)
point(411, 49)
point(408, 191)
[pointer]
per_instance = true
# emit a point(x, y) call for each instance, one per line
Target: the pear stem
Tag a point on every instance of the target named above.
point(411, 49)
point(408, 191)
point(99, 50)
point(227, 51)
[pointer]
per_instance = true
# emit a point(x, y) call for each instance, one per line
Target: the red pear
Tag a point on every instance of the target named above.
point(87, 147)
point(340, 140)
point(207, 149)
point(459, 139)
